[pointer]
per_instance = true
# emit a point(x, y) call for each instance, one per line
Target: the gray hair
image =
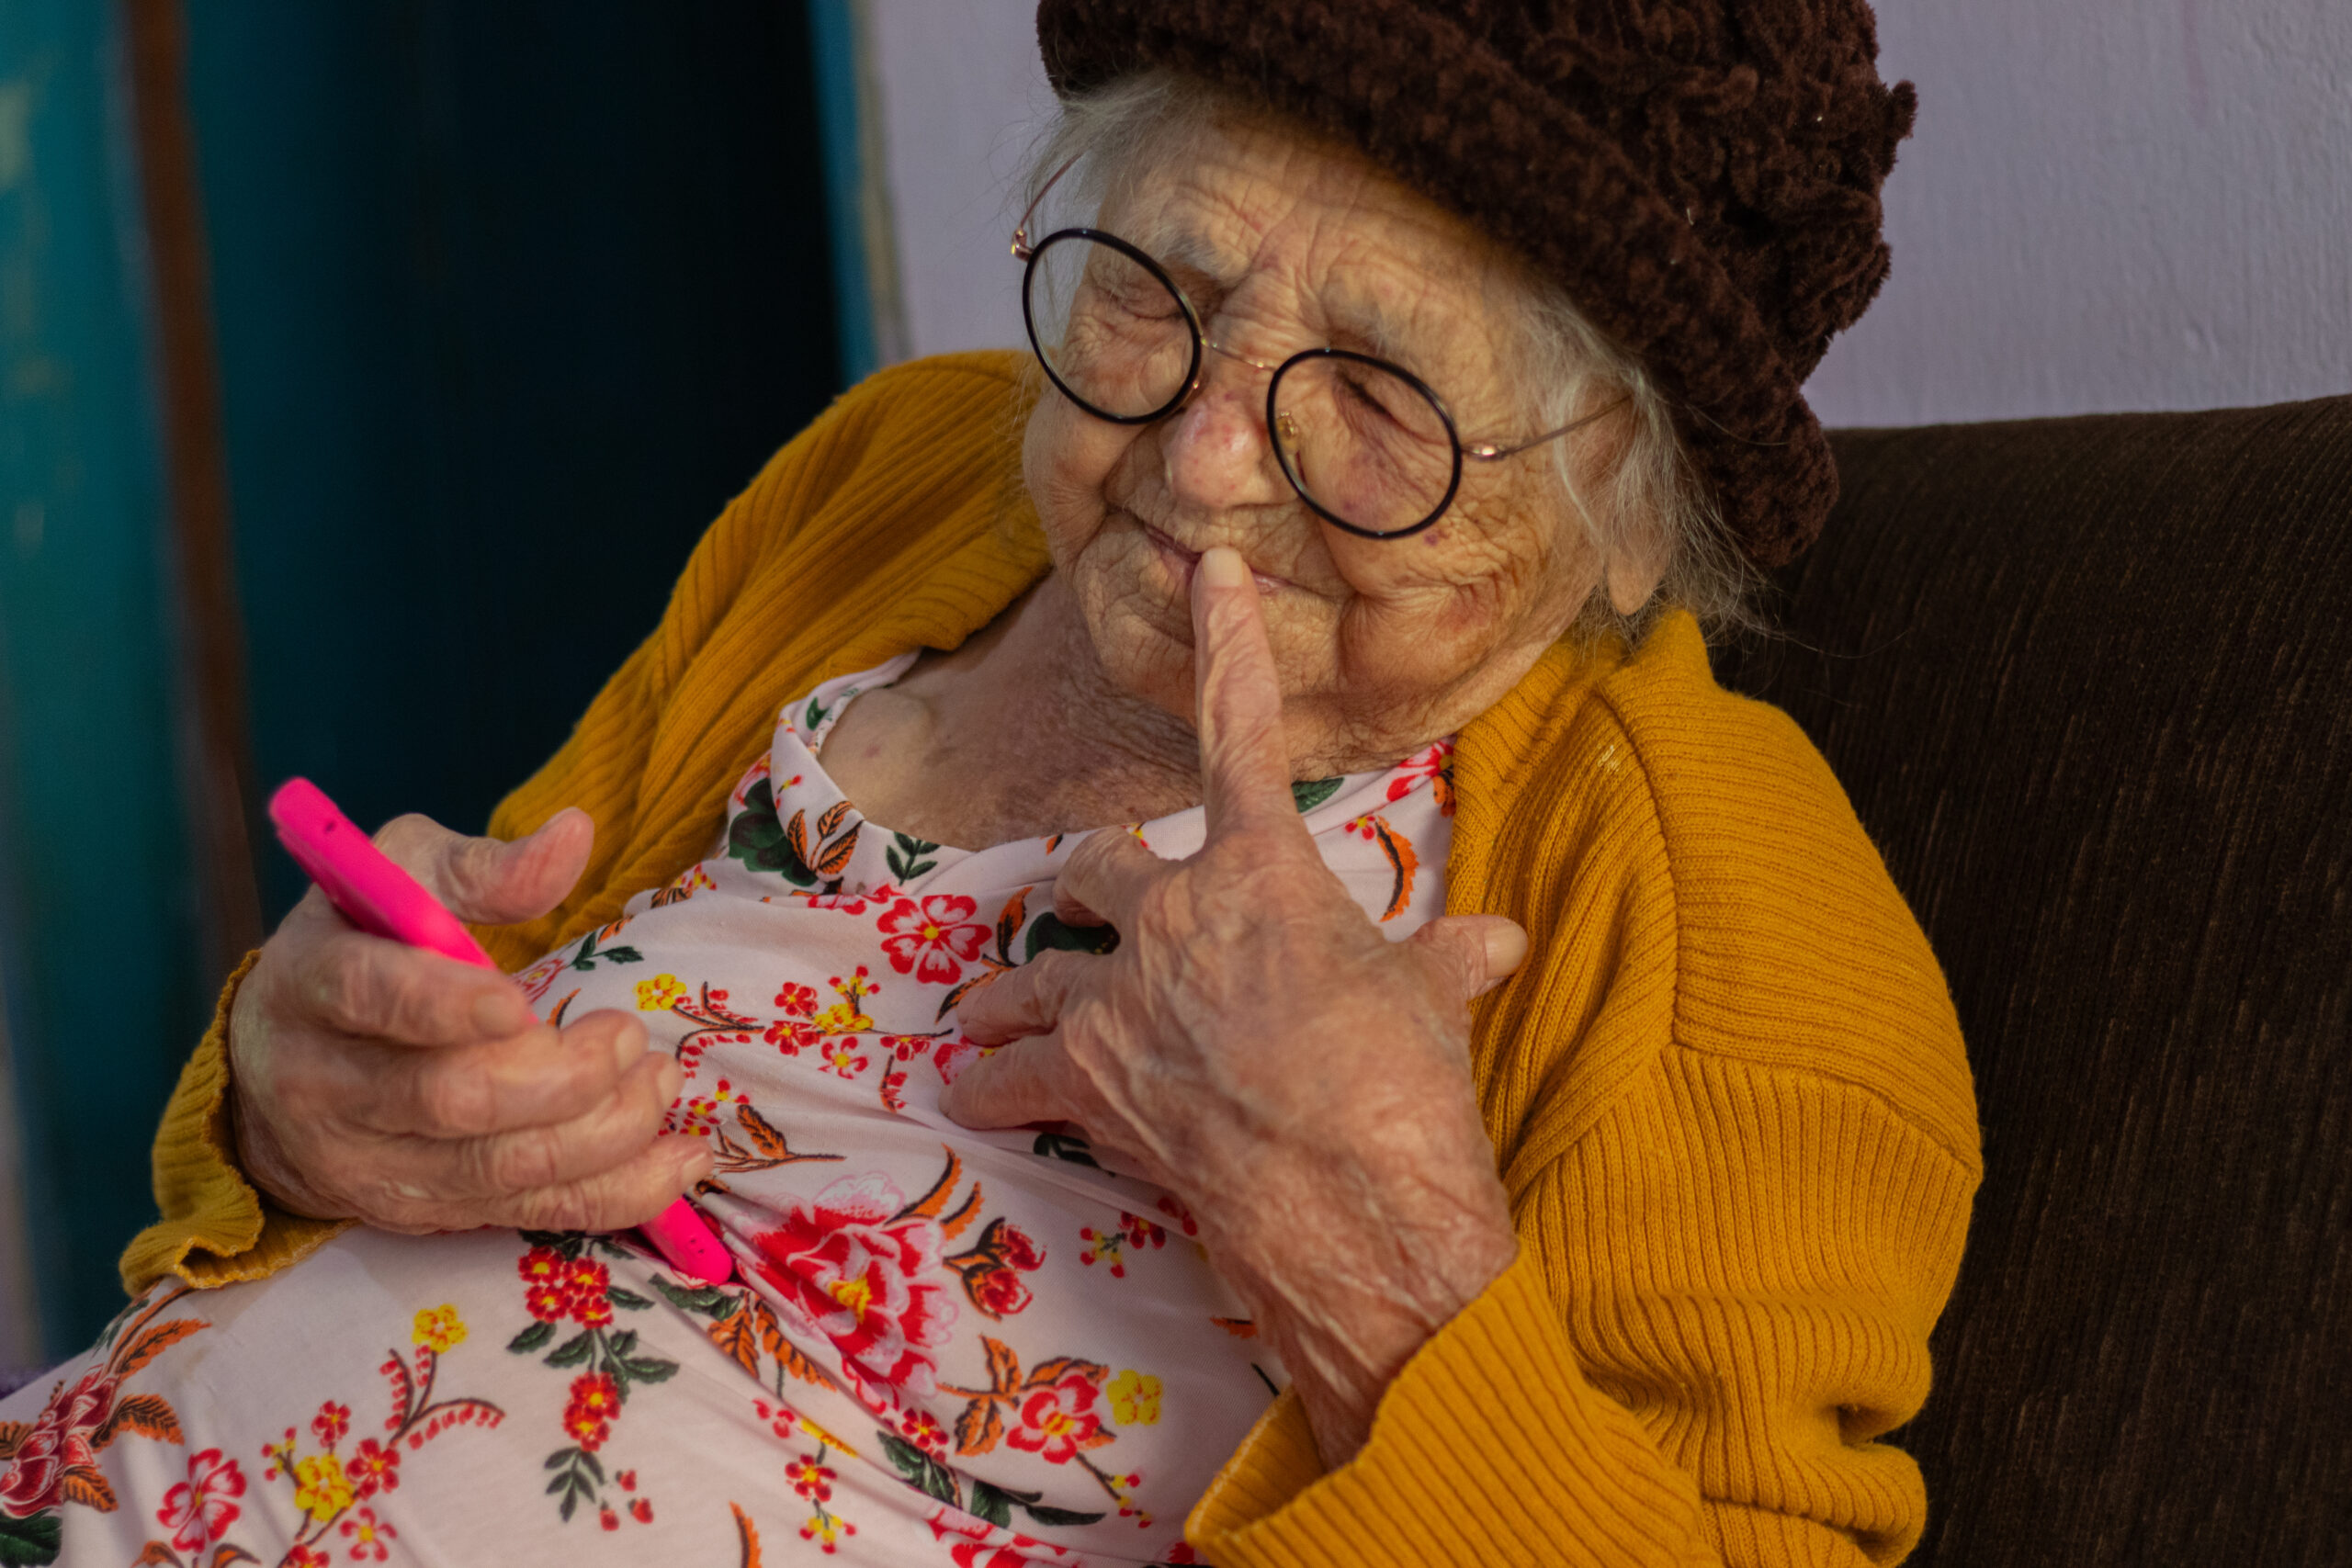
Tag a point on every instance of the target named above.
point(1649, 496)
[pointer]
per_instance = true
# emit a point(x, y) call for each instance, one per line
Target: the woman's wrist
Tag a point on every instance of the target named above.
point(1346, 1282)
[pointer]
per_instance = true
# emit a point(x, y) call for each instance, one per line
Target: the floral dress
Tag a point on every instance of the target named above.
point(940, 1347)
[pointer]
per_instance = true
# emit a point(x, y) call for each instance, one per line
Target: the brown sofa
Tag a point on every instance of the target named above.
point(2089, 684)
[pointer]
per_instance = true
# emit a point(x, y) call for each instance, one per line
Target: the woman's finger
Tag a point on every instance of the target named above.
point(627, 1194)
point(1103, 880)
point(1245, 760)
point(379, 989)
point(489, 881)
point(535, 1079)
point(491, 1169)
point(1474, 952)
point(1016, 1085)
point(1027, 1001)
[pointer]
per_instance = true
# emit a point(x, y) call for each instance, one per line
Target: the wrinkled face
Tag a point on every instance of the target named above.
point(1384, 645)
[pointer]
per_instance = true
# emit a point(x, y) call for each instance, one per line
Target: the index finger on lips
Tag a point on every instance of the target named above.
point(1245, 761)
point(535, 1079)
point(380, 989)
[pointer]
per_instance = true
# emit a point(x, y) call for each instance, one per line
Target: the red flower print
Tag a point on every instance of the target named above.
point(1176, 1210)
point(844, 1059)
point(305, 1557)
point(199, 1510)
point(1141, 1233)
point(59, 1441)
point(548, 1303)
point(1058, 1420)
point(792, 1036)
point(1435, 763)
point(851, 1266)
point(373, 1469)
point(795, 1000)
point(979, 1555)
point(585, 1276)
point(595, 1405)
point(640, 1510)
point(607, 1517)
point(932, 943)
point(592, 1312)
point(923, 1430)
point(541, 1265)
point(331, 1422)
point(367, 1535)
point(989, 1268)
point(812, 1479)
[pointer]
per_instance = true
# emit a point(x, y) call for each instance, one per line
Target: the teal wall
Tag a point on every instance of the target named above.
point(96, 955)
point(510, 297)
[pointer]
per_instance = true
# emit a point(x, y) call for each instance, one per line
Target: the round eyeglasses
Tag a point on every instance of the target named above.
point(1369, 446)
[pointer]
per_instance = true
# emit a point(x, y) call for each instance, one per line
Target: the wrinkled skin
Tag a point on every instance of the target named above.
point(1254, 1045)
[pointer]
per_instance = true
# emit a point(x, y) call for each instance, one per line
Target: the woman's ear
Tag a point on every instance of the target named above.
point(1630, 573)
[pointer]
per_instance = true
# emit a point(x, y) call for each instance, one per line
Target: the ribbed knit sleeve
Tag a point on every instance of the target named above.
point(1732, 1112)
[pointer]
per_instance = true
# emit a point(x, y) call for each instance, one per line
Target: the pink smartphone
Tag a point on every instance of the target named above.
point(384, 900)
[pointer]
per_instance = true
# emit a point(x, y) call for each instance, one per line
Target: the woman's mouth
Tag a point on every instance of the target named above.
point(1181, 560)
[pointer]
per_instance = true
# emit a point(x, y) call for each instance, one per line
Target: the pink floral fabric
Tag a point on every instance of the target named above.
point(941, 1348)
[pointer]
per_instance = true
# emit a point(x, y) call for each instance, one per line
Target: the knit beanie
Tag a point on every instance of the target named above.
point(1702, 176)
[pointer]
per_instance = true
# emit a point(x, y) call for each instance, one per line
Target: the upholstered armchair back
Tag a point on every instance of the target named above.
point(2089, 683)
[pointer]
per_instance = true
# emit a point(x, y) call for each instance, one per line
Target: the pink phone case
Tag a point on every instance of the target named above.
point(384, 900)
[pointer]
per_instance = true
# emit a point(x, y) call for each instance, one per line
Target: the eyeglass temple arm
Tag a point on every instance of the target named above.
point(1487, 451)
point(1022, 249)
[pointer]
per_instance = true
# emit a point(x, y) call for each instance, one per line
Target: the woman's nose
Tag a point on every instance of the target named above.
point(1215, 448)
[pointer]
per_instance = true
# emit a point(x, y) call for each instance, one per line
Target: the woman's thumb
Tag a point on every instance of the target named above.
point(1482, 950)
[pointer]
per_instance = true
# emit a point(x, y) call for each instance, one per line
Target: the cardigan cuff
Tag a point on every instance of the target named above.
point(217, 1228)
point(1490, 1447)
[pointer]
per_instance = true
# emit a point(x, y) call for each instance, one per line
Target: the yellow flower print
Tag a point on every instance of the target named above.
point(1134, 1398)
point(845, 1016)
point(824, 1439)
point(321, 1489)
point(660, 994)
point(439, 1328)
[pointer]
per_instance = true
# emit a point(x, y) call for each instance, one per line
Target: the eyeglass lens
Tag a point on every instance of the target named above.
point(1364, 443)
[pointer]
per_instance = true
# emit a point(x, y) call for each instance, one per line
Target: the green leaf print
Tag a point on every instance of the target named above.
point(705, 1301)
point(1308, 793)
point(31, 1542)
point(923, 1472)
point(814, 718)
point(757, 838)
point(531, 1338)
point(905, 856)
point(1061, 1145)
point(1052, 931)
point(628, 1300)
point(587, 955)
point(572, 1351)
point(989, 1503)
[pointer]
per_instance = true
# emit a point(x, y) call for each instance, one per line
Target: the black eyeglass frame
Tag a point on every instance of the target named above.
point(1028, 255)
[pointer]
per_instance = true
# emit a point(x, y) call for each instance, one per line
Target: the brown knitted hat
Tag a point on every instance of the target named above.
point(1701, 175)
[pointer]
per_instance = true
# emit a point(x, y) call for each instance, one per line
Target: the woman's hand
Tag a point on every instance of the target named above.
point(1256, 1046)
point(379, 1082)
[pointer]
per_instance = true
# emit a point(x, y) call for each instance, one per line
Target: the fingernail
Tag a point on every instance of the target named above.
point(668, 1078)
point(1505, 950)
point(628, 1044)
point(501, 1013)
point(697, 1164)
point(1222, 567)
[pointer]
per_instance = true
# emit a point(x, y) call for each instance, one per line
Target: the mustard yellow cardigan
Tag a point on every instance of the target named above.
point(1726, 1093)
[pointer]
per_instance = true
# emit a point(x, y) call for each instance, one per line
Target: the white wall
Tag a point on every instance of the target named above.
point(2108, 204)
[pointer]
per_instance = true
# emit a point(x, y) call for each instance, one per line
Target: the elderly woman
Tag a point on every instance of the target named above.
point(1256, 1002)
